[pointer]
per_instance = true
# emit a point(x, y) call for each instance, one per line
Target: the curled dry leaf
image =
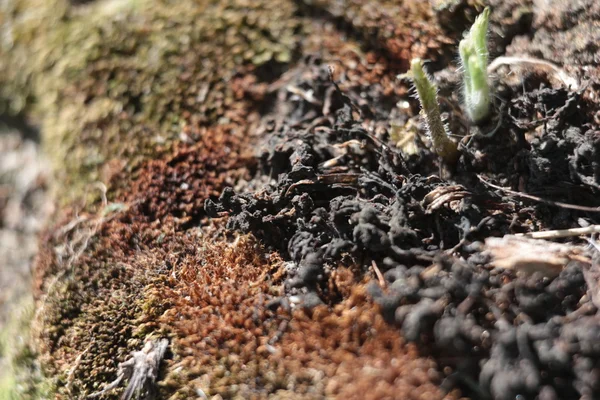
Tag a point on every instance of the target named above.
point(445, 195)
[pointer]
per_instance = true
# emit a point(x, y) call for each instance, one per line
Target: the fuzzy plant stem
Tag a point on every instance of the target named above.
point(474, 58)
point(427, 92)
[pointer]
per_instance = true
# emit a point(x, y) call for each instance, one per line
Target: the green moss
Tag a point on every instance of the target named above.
point(118, 81)
point(95, 316)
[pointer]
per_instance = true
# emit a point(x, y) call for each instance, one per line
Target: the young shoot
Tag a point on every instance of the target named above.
point(427, 92)
point(474, 58)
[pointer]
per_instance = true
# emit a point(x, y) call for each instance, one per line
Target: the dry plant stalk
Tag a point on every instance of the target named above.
point(141, 370)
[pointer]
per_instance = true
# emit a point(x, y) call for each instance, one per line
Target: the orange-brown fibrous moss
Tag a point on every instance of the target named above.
point(98, 273)
point(228, 343)
point(176, 187)
point(358, 355)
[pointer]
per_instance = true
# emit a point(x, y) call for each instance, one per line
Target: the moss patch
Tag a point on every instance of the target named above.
point(116, 83)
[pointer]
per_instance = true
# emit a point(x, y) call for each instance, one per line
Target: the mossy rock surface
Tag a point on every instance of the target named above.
point(147, 110)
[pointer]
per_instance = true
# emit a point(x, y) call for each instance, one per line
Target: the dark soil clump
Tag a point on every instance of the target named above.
point(339, 193)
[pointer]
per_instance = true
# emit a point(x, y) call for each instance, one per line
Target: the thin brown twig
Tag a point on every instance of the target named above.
point(71, 375)
point(561, 233)
point(541, 200)
point(379, 274)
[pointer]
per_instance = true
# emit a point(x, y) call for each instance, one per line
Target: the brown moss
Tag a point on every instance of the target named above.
point(402, 29)
point(177, 186)
point(227, 343)
point(99, 271)
point(219, 320)
point(357, 355)
point(88, 309)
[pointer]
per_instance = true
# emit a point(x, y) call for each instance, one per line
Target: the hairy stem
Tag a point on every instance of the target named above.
point(427, 92)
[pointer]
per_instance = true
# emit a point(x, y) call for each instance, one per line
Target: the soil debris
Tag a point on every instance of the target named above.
point(337, 194)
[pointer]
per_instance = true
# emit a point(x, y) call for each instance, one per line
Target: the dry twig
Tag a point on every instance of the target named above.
point(543, 64)
point(539, 199)
point(561, 233)
point(141, 370)
point(379, 275)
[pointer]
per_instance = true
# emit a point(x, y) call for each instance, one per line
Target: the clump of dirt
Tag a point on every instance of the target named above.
point(339, 194)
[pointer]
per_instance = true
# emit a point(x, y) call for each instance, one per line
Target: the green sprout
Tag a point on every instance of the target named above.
point(474, 58)
point(427, 92)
